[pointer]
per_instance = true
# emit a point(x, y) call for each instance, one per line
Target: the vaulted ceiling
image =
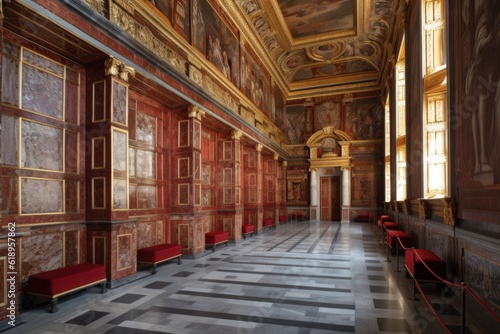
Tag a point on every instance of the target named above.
point(322, 47)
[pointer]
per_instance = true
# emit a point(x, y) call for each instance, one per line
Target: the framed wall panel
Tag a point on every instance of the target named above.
point(41, 196)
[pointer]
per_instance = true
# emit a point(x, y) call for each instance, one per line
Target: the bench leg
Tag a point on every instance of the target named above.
point(226, 243)
point(53, 306)
point(244, 236)
point(179, 261)
point(103, 287)
point(213, 248)
point(154, 269)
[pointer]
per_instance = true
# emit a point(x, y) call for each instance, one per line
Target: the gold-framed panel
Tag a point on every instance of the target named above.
point(183, 134)
point(38, 67)
point(23, 142)
point(119, 102)
point(40, 193)
point(99, 202)
point(96, 112)
point(183, 193)
point(184, 171)
point(98, 154)
point(120, 251)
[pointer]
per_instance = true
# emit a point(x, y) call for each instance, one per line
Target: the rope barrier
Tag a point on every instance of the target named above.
point(432, 308)
point(461, 286)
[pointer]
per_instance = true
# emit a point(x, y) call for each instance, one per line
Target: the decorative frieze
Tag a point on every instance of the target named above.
point(142, 34)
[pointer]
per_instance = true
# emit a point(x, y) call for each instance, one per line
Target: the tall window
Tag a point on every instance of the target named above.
point(435, 107)
point(387, 151)
point(401, 126)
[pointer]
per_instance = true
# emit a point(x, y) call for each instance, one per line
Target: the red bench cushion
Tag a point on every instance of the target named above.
point(404, 237)
point(390, 225)
point(282, 218)
point(247, 228)
point(57, 281)
point(383, 219)
point(216, 237)
point(267, 222)
point(158, 253)
point(415, 266)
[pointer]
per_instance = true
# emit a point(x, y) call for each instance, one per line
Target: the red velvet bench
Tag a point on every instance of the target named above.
point(59, 282)
point(247, 229)
point(216, 237)
point(417, 270)
point(267, 223)
point(282, 219)
point(382, 220)
point(392, 239)
point(155, 255)
point(386, 226)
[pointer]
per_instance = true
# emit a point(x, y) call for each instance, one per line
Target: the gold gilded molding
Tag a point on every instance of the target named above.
point(195, 75)
point(449, 211)
point(142, 34)
point(423, 209)
point(98, 5)
point(219, 93)
point(258, 147)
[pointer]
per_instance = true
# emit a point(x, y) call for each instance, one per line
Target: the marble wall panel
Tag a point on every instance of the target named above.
point(41, 252)
point(124, 253)
point(10, 198)
point(71, 247)
point(41, 196)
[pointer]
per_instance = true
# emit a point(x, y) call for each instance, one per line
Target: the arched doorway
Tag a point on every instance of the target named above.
point(329, 150)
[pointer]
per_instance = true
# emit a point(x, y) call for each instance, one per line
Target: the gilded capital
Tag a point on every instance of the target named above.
point(259, 147)
point(285, 163)
point(276, 156)
point(236, 134)
point(117, 68)
point(195, 112)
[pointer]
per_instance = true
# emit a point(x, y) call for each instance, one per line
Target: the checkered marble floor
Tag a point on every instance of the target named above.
point(300, 277)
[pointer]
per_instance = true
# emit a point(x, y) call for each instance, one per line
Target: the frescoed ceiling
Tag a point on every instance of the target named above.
point(322, 47)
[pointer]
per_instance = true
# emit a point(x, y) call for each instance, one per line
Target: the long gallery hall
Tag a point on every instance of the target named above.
point(249, 166)
point(301, 277)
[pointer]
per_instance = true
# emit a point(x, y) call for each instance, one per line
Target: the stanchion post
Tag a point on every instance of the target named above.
point(397, 254)
point(463, 307)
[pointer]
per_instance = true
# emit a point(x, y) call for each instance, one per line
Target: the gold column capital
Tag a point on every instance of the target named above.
point(236, 134)
point(195, 112)
point(259, 147)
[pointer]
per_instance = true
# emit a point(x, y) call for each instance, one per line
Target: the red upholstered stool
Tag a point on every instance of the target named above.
point(392, 239)
point(416, 269)
point(247, 229)
point(267, 223)
point(216, 237)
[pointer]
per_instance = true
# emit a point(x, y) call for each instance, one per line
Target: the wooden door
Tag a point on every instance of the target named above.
point(330, 198)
